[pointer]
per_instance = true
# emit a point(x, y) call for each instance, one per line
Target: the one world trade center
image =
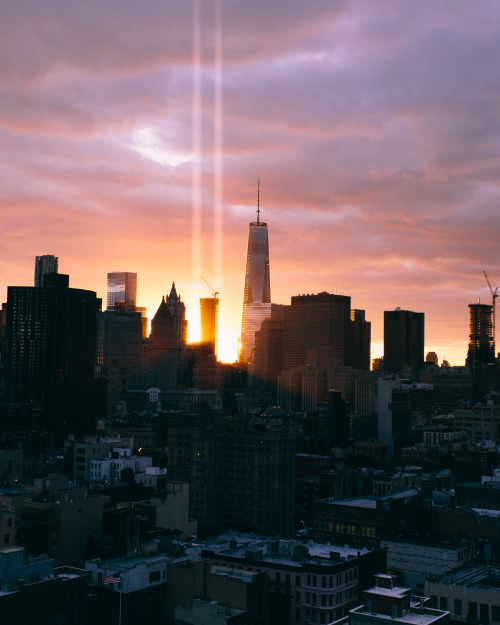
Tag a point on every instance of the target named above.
point(257, 296)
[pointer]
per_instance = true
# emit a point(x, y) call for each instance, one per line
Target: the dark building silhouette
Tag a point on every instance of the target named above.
point(333, 420)
point(359, 356)
point(316, 321)
point(268, 351)
point(241, 476)
point(257, 295)
point(50, 341)
point(119, 355)
point(403, 341)
point(481, 352)
point(166, 354)
point(44, 264)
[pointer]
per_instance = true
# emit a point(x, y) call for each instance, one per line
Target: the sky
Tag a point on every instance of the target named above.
point(133, 135)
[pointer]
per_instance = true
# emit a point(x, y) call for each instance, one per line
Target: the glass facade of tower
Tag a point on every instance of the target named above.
point(257, 296)
point(44, 264)
point(122, 287)
point(209, 317)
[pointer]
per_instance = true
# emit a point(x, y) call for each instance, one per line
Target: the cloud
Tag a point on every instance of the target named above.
point(373, 128)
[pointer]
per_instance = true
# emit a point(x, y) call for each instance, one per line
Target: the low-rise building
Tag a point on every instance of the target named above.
point(387, 601)
point(358, 522)
point(314, 583)
point(421, 558)
point(60, 521)
point(58, 595)
point(135, 586)
point(246, 591)
point(471, 594)
point(170, 509)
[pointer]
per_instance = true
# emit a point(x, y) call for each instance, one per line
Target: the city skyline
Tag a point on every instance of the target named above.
point(372, 128)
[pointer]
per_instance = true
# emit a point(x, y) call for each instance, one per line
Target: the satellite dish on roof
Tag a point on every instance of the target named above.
point(398, 307)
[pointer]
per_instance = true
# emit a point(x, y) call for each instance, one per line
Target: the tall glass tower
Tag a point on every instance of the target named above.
point(257, 296)
point(122, 287)
point(44, 264)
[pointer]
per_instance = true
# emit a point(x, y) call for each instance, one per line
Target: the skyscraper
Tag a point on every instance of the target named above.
point(257, 295)
point(481, 350)
point(403, 341)
point(314, 322)
point(122, 287)
point(51, 353)
point(44, 264)
point(209, 317)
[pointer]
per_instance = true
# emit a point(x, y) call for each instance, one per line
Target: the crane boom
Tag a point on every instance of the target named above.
point(214, 292)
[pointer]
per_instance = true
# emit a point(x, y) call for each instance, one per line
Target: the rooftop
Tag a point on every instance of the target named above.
point(292, 552)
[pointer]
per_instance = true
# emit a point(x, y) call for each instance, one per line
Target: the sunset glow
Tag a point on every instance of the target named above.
point(133, 139)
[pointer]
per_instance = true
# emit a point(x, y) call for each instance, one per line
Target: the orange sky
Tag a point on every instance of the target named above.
point(133, 141)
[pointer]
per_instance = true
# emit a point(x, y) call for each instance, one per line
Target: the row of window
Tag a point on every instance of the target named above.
point(483, 611)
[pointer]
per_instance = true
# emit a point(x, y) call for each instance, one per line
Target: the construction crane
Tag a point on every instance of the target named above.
point(494, 295)
point(214, 292)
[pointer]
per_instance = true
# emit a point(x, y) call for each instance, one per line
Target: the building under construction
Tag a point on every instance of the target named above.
point(481, 352)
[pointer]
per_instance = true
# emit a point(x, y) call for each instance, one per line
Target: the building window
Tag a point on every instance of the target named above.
point(154, 576)
point(297, 596)
point(457, 606)
point(472, 609)
point(484, 611)
point(297, 580)
point(443, 603)
point(434, 601)
point(495, 613)
point(6, 539)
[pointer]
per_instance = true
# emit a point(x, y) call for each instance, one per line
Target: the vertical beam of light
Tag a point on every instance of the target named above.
point(218, 171)
point(196, 149)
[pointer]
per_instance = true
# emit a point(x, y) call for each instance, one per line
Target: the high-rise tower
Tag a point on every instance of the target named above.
point(209, 316)
point(403, 341)
point(44, 264)
point(481, 350)
point(122, 287)
point(257, 296)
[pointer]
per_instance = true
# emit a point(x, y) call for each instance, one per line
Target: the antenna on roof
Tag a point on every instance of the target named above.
point(258, 201)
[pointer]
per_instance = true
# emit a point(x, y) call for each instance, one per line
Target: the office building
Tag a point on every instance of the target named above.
point(241, 475)
point(209, 319)
point(44, 264)
point(360, 341)
point(481, 352)
point(51, 353)
point(317, 321)
point(333, 420)
point(119, 355)
point(403, 341)
point(309, 582)
point(122, 287)
point(257, 295)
